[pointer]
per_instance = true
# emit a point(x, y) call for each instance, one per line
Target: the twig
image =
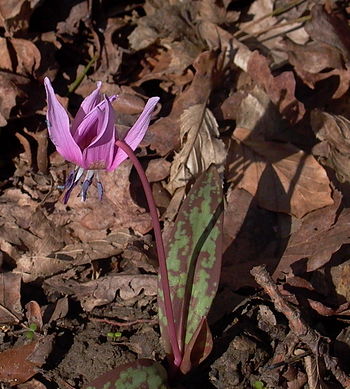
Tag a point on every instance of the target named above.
point(274, 27)
point(124, 323)
point(276, 12)
point(317, 344)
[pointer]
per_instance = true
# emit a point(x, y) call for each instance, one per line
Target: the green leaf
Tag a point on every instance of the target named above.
point(140, 374)
point(258, 385)
point(194, 253)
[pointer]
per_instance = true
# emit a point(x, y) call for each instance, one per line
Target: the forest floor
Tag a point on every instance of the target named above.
point(258, 88)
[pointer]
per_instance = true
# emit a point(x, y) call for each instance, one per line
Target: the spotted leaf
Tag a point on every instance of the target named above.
point(140, 374)
point(194, 253)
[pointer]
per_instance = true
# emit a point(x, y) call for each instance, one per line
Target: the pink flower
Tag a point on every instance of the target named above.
point(89, 141)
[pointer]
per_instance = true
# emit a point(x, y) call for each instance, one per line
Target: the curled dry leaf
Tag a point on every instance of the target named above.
point(334, 133)
point(103, 290)
point(33, 314)
point(282, 177)
point(201, 146)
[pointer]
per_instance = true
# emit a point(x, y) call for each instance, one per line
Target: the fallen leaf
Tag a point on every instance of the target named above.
point(33, 314)
point(330, 29)
point(282, 177)
point(15, 14)
point(280, 89)
point(10, 298)
point(314, 57)
point(157, 169)
point(334, 133)
point(320, 235)
point(103, 290)
point(19, 364)
point(201, 147)
point(19, 56)
point(158, 136)
point(340, 276)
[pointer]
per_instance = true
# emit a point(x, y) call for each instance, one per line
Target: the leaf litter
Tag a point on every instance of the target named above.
point(261, 91)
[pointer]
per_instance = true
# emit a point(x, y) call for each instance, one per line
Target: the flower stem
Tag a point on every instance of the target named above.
point(164, 279)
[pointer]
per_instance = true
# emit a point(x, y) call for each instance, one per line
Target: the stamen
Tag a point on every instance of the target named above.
point(87, 182)
point(99, 190)
point(71, 182)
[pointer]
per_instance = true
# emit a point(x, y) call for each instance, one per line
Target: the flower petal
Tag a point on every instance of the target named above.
point(58, 126)
point(136, 133)
point(88, 104)
point(100, 152)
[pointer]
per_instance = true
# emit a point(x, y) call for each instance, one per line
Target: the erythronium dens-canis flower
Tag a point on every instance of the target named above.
point(89, 141)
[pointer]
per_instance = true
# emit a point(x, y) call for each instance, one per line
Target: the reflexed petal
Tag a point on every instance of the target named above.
point(99, 154)
point(136, 133)
point(58, 126)
point(88, 104)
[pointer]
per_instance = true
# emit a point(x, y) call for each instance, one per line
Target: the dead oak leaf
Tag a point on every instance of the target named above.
point(282, 177)
point(313, 243)
point(201, 146)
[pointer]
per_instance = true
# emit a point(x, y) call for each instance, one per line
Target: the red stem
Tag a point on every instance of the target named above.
point(164, 279)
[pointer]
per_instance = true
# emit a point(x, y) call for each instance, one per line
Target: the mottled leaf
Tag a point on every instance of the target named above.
point(141, 374)
point(194, 263)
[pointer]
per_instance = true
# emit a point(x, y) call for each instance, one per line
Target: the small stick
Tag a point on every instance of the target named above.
point(317, 344)
point(124, 323)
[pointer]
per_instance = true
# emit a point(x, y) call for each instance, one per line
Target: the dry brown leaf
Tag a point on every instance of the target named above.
point(330, 29)
point(19, 56)
point(15, 14)
point(10, 94)
point(201, 146)
point(33, 266)
point(32, 384)
point(320, 235)
point(10, 298)
point(340, 276)
point(280, 89)
point(314, 57)
point(33, 314)
point(93, 219)
point(334, 133)
point(19, 364)
point(164, 135)
point(103, 290)
point(282, 177)
point(238, 203)
point(157, 169)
